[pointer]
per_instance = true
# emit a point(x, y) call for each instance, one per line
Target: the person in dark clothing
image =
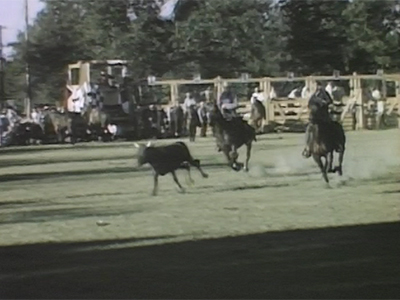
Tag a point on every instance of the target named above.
point(318, 105)
point(227, 102)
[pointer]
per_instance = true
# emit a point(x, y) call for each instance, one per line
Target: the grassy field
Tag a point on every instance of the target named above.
point(275, 232)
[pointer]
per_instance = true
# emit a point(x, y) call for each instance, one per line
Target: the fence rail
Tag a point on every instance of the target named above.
point(355, 112)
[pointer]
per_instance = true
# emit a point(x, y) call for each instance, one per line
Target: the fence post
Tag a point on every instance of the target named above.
point(397, 82)
point(266, 87)
point(311, 85)
point(174, 93)
point(271, 105)
point(384, 88)
point(358, 94)
point(351, 86)
point(218, 85)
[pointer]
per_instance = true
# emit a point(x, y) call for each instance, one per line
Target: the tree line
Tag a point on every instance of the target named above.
point(210, 37)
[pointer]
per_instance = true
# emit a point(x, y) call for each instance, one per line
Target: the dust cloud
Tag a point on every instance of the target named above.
point(368, 155)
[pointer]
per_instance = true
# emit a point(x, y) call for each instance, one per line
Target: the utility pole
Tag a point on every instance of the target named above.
point(2, 69)
point(27, 68)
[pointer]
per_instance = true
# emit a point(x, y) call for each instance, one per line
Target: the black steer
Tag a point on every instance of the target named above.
point(167, 159)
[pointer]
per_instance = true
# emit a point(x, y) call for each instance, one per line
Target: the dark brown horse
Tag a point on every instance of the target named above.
point(327, 138)
point(231, 135)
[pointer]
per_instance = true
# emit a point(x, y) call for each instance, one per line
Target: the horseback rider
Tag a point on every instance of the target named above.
point(228, 102)
point(318, 105)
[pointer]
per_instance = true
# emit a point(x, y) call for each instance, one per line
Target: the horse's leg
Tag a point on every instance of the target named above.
point(225, 150)
point(322, 167)
point(339, 167)
point(155, 187)
point(307, 149)
point(330, 162)
point(248, 154)
point(234, 156)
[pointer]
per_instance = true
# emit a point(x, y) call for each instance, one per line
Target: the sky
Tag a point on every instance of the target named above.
point(13, 18)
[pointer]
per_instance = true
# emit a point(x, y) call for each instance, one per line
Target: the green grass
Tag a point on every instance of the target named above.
point(57, 193)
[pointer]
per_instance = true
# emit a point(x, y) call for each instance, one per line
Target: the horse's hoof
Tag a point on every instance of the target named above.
point(306, 154)
point(182, 191)
point(205, 175)
point(339, 170)
point(237, 167)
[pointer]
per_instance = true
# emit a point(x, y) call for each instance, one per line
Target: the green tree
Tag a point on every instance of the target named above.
point(370, 45)
point(316, 35)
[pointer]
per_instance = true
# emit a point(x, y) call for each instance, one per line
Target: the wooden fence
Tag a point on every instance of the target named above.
point(355, 111)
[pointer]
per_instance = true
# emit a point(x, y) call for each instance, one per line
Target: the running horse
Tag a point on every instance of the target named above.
point(324, 137)
point(230, 135)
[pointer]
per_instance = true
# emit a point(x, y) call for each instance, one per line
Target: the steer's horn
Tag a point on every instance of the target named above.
point(148, 144)
point(136, 145)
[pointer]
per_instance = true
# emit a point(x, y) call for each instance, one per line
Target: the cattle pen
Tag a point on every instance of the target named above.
point(355, 111)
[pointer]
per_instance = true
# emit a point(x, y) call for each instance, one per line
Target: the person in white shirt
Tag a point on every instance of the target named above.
point(380, 109)
point(292, 94)
point(207, 94)
point(257, 96)
point(5, 128)
point(187, 104)
point(376, 94)
point(305, 92)
point(12, 116)
point(272, 94)
point(330, 88)
point(35, 116)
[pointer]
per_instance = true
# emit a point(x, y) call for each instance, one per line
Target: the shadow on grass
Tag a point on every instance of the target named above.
point(60, 174)
point(53, 147)
point(358, 262)
point(75, 159)
point(10, 204)
point(253, 187)
point(63, 214)
point(54, 175)
point(392, 192)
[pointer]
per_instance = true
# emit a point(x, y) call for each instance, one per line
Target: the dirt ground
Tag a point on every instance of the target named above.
point(275, 232)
